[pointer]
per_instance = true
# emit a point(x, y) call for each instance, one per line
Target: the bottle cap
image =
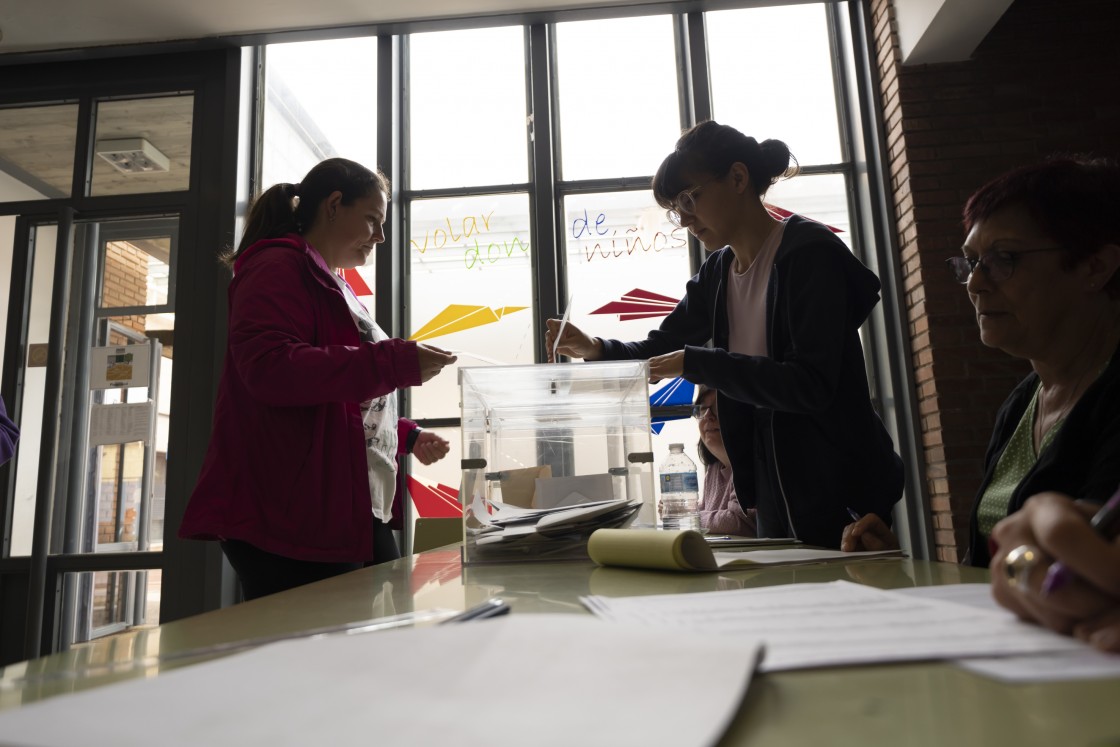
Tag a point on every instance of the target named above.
point(676, 446)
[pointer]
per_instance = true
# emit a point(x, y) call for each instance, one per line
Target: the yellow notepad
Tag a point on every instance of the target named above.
point(686, 550)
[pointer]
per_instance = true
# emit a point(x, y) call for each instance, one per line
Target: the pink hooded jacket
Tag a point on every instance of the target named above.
point(286, 466)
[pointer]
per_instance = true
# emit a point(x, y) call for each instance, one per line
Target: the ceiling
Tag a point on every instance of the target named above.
point(929, 30)
point(52, 25)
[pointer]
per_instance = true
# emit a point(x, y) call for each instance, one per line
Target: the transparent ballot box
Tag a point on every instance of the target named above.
point(551, 453)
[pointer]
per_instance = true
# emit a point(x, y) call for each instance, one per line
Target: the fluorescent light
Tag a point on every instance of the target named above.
point(134, 155)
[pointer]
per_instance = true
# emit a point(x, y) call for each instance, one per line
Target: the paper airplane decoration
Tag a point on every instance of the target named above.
point(434, 501)
point(782, 214)
point(459, 317)
point(639, 304)
point(676, 392)
point(357, 282)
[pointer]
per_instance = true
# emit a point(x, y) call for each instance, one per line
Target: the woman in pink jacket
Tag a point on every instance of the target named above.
point(720, 510)
point(299, 479)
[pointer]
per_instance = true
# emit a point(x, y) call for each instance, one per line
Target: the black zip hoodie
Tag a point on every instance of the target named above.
point(1082, 461)
point(804, 441)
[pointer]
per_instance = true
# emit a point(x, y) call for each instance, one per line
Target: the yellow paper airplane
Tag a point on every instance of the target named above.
point(458, 317)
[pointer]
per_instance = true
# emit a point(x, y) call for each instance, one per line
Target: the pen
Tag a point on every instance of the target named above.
point(852, 512)
point(492, 607)
point(560, 332)
point(1105, 522)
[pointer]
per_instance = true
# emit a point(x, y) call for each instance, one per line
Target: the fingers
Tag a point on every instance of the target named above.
point(574, 343)
point(1058, 529)
point(668, 366)
point(869, 533)
point(432, 360)
point(430, 447)
point(1063, 532)
point(1102, 631)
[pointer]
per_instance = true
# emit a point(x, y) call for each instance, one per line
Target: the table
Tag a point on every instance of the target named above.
point(902, 704)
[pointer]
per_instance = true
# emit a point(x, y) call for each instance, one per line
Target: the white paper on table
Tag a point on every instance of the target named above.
point(971, 595)
point(1082, 663)
point(524, 679)
point(794, 556)
point(837, 623)
point(1063, 666)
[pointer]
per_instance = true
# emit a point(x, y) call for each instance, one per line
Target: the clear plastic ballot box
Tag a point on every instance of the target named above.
point(552, 452)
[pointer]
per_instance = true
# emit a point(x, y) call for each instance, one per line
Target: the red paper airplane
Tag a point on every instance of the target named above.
point(434, 501)
point(639, 304)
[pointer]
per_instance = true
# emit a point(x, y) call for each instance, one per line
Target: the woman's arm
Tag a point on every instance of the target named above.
point(273, 330)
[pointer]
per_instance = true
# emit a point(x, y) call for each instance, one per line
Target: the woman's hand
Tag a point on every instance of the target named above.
point(1055, 527)
point(430, 447)
point(668, 366)
point(574, 342)
point(869, 533)
point(432, 360)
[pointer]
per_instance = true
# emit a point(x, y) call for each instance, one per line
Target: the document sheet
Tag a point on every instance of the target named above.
point(1085, 663)
point(519, 680)
point(837, 623)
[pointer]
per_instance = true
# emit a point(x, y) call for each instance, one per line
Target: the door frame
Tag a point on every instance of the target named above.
point(192, 572)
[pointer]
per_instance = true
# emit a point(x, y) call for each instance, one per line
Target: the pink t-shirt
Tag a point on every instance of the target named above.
point(746, 299)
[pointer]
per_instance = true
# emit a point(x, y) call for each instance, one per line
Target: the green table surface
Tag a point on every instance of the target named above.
point(899, 704)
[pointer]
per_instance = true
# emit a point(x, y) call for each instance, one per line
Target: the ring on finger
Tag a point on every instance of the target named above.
point(1018, 565)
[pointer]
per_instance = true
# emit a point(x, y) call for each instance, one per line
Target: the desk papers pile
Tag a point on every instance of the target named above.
point(837, 623)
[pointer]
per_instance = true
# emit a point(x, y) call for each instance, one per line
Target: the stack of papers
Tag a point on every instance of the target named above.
point(512, 525)
point(839, 623)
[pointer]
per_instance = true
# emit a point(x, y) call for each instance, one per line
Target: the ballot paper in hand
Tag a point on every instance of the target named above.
point(551, 680)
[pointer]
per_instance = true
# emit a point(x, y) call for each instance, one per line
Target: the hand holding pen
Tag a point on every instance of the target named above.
point(1082, 595)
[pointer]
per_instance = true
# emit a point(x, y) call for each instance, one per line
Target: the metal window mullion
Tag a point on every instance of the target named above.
point(892, 338)
point(48, 448)
point(547, 260)
point(15, 354)
point(695, 84)
point(83, 141)
point(387, 307)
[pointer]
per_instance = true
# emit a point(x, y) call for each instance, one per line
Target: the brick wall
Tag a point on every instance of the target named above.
point(1045, 80)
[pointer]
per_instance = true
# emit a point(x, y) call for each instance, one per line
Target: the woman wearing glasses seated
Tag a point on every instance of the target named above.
point(771, 322)
point(720, 509)
point(1040, 264)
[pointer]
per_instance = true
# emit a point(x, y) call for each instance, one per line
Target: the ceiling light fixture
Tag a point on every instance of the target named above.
point(134, 155)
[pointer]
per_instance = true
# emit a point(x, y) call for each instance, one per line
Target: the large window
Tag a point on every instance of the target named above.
point(526, 156)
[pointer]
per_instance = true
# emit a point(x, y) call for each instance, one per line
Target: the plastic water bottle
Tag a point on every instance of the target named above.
point(679, 495)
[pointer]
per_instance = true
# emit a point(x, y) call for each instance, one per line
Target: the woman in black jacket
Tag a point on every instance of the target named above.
point(771, 321)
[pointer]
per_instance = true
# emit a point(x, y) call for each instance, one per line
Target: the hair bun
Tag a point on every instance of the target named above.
point(777, 158)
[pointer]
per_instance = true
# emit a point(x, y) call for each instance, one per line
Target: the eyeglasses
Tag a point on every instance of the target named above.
point(998, 266)
point(685, 202)
point(702, 411)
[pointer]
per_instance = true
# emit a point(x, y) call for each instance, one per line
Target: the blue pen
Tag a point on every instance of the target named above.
point(1105, 522)
point(852, 512)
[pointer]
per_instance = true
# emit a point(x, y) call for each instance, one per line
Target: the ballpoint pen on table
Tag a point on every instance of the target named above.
point(492, 607)
point(1105, 522)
